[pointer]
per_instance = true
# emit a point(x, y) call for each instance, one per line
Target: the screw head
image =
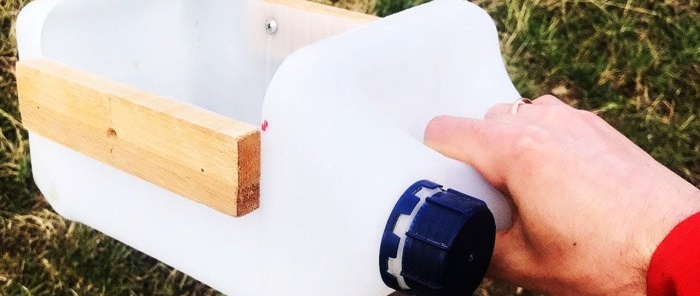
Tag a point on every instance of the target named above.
point(270, 26)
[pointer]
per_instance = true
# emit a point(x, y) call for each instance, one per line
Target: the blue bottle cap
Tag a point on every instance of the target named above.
point(436, 242)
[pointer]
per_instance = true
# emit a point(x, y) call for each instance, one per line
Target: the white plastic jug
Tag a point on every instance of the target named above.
point(343, 118)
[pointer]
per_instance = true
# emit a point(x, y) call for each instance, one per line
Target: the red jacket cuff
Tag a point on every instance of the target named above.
point(674, 268)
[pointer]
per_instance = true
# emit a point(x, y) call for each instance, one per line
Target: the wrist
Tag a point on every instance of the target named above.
point(668, 213)
point(674, 264)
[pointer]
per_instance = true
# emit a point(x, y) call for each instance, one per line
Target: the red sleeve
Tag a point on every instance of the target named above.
point(675, 266)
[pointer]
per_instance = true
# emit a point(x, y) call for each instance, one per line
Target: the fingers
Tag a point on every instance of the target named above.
point(548, 100)
point(494, 148)
point(502, 110)
point(503, 142)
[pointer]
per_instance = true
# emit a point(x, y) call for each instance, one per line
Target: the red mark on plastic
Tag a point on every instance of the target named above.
point(264, 125)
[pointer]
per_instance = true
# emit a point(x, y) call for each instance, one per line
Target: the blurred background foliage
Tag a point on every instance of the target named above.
point(634, 63)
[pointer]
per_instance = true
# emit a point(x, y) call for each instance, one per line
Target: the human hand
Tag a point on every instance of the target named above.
point(589, 206)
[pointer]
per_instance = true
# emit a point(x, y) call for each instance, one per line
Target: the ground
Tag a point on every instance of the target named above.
point(634, 63)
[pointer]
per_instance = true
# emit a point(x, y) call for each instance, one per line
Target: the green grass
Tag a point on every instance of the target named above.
point(635, 63)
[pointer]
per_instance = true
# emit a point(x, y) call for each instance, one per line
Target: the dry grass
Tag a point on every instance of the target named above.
point(636, 63)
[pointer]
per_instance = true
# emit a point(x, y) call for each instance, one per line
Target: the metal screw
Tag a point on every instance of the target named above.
point(471, 257)
point(270, 26)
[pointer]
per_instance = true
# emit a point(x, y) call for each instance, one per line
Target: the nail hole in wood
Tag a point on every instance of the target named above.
point(111, 133)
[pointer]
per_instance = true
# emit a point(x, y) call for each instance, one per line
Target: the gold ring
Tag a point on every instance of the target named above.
point(517, 103)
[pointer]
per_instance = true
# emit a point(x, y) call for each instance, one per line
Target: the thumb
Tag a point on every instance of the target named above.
point(479, 143)
point(483, 144)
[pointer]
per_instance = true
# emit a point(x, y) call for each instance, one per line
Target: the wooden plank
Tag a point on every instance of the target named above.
point(325, 9)
point(209, 158)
